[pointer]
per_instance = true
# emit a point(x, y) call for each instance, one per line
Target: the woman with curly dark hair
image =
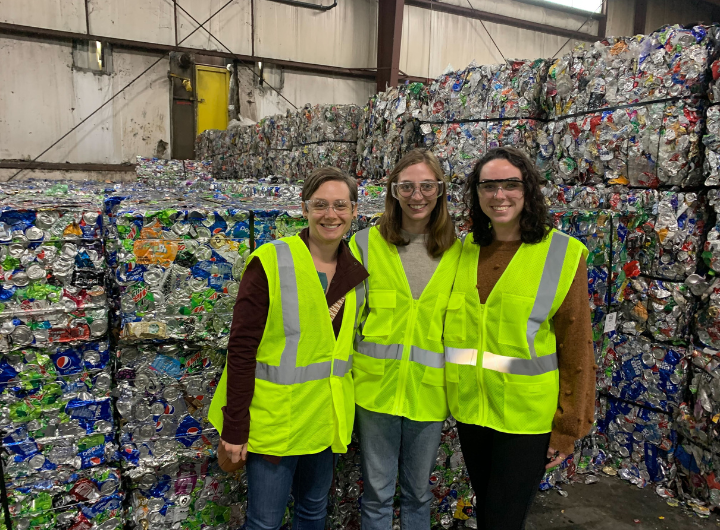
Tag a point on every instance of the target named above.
point(518, 340)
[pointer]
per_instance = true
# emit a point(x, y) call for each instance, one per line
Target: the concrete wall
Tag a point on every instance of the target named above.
point(42, 97)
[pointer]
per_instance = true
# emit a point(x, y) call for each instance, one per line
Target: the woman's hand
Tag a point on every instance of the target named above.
point(555, 457)
point(235, 452)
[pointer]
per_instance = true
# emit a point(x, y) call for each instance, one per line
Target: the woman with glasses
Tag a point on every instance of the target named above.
point(285, 400)
point(518, 340)
point(398, 364)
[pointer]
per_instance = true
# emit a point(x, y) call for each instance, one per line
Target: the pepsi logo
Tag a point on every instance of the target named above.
point(159, 426)
point(193, 431)
point(63, 362)
point(169, 409)
point(96, 461)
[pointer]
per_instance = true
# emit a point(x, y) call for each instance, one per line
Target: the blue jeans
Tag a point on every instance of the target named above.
point(385, 442)
point(269, 485)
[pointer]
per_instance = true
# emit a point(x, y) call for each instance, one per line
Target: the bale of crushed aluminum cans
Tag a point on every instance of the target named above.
point(480, 108)
point(79, 500)
point(193, 494)
point(656, 141)
point(637, 370)
point(178, 270)
point(641, 441)
point(328, 123)
point(163, 395)
point(658, 309)
point(387, 129)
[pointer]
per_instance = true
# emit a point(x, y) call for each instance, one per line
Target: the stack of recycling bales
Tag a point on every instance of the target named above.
point(480, 108)
point(57, 426)
point(388, 129)
point(291, 145)
point(179, 260)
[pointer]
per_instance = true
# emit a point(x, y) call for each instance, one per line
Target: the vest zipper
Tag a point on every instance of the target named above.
point(482, 409)
point(405, 362)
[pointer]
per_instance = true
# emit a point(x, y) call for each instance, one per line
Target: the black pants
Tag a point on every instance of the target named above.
point(505, 472)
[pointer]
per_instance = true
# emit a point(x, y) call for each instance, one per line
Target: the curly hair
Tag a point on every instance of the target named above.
point(534, 221)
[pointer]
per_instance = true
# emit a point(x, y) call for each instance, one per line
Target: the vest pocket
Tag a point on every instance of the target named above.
point(514, 314)
point(382, 308)
point(529, 407)
point(455, 318)
point(434, 376)
point(368, 365)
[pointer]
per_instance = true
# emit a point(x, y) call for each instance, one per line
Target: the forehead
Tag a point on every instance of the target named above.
point(499, 169)
point(332, 190)
point(416, 173)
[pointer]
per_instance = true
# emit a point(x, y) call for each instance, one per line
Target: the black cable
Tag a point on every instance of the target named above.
point(118, 93)
point(486, 31)
point(239, 58)
point(570, 38)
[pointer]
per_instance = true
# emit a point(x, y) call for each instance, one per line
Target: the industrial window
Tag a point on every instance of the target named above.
point(92, 56)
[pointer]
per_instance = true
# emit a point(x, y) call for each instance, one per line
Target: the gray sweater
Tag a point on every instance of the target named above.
point(419, 266)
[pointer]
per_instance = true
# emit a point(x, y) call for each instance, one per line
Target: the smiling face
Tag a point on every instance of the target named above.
point(416, 208)
point(503, 207)
point(326, 225)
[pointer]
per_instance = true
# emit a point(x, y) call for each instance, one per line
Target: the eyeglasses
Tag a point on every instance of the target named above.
point(340, 207)
point(430, 189)
point(510, 187)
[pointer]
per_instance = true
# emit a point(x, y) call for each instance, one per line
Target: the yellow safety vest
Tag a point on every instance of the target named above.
point(501, 360)
point(399, 365)
point(304, 395)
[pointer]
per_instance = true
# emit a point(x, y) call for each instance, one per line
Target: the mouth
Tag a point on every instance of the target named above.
point(417, 207)
point(500, 208)
point(330, 227)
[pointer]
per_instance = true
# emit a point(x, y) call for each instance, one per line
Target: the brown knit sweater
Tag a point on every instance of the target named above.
point(573, 331)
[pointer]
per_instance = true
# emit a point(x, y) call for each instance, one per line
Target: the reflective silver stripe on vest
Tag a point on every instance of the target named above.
point(513, 365)
point(341, 368)
point(549, 282)
point(362, 239)
point(394, 351)
point(466, 356)
point(288, 373)
point(501, 363)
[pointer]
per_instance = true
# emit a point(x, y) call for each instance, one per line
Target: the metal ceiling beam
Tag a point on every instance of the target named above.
point(67, 36)
point(390, 20)
point(61, 166)
point(500, 19)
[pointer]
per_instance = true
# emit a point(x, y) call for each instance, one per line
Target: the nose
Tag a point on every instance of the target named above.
point(498, 190)
point(416, 190)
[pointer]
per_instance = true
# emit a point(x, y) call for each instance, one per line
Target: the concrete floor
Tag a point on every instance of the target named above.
point(610, 504)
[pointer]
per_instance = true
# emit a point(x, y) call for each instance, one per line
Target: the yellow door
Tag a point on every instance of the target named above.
point(213, 86)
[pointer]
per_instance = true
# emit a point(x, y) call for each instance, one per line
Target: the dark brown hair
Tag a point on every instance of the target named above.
point(326, 174)
point(534, 220)
point(441, 230)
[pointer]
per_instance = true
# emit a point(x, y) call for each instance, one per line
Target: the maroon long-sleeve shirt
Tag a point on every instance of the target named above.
point(248, 324)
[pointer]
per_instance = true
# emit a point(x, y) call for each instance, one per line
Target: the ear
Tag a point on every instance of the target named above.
point(304, 210)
